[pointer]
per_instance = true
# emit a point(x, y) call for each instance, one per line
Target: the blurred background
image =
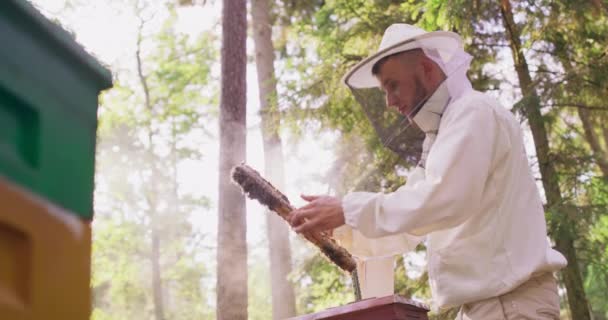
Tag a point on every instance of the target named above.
point(155, 231)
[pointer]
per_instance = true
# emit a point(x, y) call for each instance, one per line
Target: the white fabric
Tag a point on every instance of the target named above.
point(455, 69)
point(402, 37)
point(429, 117)
point(376, 277)
point(476, 201)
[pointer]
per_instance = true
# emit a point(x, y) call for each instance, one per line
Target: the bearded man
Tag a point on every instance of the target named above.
point(472, 197)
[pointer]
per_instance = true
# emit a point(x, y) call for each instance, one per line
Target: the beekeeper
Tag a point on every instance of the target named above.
point(472, 197)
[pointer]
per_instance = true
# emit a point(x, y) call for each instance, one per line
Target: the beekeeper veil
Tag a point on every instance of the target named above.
point(404, 134)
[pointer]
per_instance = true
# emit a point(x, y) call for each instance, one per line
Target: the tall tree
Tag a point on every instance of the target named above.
point(283, 298)
point(157, 288)
point(531, 107)
point(577, 33)
point(232, 227)
point(143, 218)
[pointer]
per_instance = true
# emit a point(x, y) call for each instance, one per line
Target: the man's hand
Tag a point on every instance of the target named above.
point(320, 214)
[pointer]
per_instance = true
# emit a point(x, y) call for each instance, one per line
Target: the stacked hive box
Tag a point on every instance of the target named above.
point(48, 118)
point(392, 307)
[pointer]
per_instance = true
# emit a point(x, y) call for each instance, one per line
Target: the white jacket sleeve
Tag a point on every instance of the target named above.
point(456, 171)
point(363, 247)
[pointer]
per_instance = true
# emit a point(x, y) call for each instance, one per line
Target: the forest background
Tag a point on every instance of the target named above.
point(164, 238)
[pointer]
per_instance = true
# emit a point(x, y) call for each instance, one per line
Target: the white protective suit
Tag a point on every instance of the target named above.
point(473, 198)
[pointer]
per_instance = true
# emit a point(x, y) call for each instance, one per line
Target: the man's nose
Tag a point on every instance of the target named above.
point(391, 101)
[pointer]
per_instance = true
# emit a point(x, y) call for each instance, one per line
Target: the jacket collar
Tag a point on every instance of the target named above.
point(452, 88)
point(429, 115)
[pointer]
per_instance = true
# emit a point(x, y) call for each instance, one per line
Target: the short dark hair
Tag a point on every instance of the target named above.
point(376, 67)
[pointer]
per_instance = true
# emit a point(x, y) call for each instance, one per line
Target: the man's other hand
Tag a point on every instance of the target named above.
point(320, 214)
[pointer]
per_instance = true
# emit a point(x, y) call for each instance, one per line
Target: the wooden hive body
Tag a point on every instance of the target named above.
point(392, 307)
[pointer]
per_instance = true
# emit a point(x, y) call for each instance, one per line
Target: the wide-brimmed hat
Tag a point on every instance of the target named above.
point(401, 37)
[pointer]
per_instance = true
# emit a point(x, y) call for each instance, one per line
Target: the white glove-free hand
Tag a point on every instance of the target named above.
point(320, 214)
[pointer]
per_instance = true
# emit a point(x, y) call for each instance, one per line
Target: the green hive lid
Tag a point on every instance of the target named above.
point(26, 14)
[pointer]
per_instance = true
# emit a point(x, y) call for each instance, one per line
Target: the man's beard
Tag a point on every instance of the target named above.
point(421, 94)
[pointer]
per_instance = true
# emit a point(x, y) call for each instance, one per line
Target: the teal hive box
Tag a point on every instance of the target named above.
point(48, 108)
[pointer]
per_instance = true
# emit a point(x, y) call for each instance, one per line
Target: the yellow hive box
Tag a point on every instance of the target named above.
point(44, 259)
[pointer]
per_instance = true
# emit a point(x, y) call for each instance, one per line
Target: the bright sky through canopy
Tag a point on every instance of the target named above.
point(108, 30)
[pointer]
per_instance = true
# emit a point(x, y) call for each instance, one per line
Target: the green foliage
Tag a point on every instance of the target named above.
point(576, 37)
point(259, 304)
point(322, 285)
point(596, 277)
point(118, 289)
point(410, 287)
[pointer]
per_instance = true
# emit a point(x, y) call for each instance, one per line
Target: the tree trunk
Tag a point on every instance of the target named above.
point(159, 313)
point(605, 133)
point(232, 227)
point(565, 235)
point(283, 298)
